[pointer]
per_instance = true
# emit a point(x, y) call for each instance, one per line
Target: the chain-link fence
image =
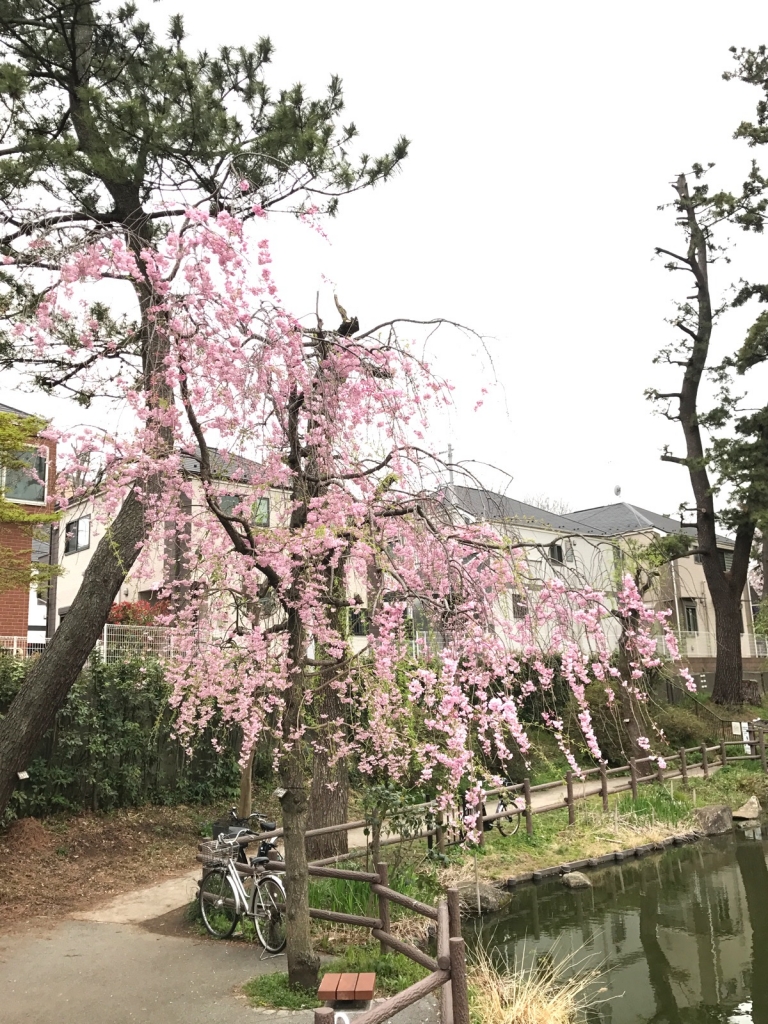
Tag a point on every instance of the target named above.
point(117, 643)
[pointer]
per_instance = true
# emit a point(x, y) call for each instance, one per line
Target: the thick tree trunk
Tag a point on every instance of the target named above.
point(729, 685)
point(50, 679)
point(329, 802)
point(329, 799)
point(303, 962)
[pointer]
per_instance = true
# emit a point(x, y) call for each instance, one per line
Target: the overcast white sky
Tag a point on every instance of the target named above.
point(544, 138)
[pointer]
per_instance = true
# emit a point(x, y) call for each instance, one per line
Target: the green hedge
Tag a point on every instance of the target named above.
point(113, 746)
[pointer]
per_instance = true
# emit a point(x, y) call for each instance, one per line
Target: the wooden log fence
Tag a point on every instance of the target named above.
point(634, 779)
point(448, 970)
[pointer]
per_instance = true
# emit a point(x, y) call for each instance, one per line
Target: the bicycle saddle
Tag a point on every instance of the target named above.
point(253, 861)
point(268, 826)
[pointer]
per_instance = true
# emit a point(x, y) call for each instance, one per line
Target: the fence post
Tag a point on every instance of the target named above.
point(761, 740)
point(704, 760)
point(382, 870)
point(659, 773)
point(633, 777)
point(459, 981)
point(454, 913)
point(104, 643)
point(723, 753)
point(683, 766)
point(569, 798)
point(528, 815)
point(444, 950)
point(604, 787)
point(324, 1015)
point(440, 834)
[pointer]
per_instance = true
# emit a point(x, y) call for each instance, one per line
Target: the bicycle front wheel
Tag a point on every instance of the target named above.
point(218, 904)
point(268, 910)
point(509, 825)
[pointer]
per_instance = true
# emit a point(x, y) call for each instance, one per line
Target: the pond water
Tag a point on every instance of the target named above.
point(681, 937)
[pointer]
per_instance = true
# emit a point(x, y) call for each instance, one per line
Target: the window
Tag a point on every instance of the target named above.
point(519, 607)
point(77, 535)
point(697, 558)
point(556, 554)
point(726, 559)
point(22, 485)
point(358, 622)
point(260, 507)
point(690, 617)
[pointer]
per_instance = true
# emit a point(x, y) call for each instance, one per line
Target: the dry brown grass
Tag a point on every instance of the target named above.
point(545, 991)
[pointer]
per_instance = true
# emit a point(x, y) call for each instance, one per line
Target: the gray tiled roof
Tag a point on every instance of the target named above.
point(484, 504)
point(10, 408)
point(622, 517)
point(224, 465)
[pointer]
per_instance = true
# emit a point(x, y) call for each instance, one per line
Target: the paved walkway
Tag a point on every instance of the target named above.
point(112, 973)
point(130, 961)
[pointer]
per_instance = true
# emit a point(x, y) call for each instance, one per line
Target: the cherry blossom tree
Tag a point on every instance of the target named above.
point(333, 427)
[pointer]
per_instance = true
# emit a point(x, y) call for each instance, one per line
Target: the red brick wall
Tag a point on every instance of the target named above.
point(14, 604)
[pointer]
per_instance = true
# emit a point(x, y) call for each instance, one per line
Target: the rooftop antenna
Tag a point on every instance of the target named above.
point(450, 464)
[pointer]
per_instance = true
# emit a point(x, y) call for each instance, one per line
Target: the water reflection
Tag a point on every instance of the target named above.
point(683, 936)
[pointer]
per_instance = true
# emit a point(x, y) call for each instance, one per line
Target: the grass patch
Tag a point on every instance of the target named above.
point(393, 971)
point(660, 811)
point(421, 882)
point(274, 990)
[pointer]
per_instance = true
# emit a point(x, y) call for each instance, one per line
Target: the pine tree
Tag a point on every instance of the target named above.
point(111, 132)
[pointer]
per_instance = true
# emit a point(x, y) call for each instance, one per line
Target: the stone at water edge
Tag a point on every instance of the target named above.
point(576, 880)
point(714, 819)
point(491, 898)
point(749, 823)
point(751, 809)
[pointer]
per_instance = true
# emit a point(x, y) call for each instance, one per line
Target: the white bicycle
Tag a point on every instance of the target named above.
point(224, 900)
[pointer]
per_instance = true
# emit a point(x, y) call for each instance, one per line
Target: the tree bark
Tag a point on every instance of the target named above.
point(725, 586)
point(329, 799)
point(51, 677)
point(303, 962)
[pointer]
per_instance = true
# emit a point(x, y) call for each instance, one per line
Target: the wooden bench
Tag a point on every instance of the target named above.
point(346, 987)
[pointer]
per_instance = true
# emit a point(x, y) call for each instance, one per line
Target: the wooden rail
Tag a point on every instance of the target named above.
point(448, 972)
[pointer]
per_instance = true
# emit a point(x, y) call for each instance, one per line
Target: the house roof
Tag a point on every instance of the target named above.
point(484, 504)
point(10, 408)
point(622, 517)
point(224, 465)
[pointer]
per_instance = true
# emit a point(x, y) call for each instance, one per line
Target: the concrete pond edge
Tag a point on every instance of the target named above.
point(616, 857)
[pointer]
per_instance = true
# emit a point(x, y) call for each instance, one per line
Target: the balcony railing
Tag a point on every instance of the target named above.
point(703, 645)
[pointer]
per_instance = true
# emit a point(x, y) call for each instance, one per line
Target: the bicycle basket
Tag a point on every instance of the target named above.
point(217, 851)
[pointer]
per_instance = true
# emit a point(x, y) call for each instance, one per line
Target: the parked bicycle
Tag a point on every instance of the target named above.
point(508, 825)
point(234, 826)
point(224, 899)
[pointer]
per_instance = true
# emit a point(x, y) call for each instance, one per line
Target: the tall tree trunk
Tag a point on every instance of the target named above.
point(725, 585)
point(330, 782)
point(51, 677)
point(329, 799)
point(303, 962)
point(729, 685)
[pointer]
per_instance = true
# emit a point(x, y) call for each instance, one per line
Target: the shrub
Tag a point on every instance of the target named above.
point(113, 745)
